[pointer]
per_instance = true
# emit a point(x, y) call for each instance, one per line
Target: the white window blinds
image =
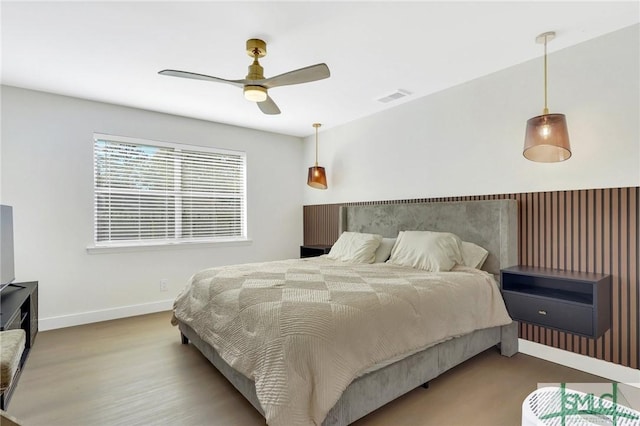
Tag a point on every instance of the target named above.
point(157, 193)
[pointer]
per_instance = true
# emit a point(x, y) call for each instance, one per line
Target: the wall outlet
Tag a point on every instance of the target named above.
point(164, 284)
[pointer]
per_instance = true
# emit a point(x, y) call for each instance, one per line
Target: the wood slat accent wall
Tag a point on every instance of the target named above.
point(594, 230)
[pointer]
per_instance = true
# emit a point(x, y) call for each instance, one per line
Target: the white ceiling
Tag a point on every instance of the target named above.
point(111, 52)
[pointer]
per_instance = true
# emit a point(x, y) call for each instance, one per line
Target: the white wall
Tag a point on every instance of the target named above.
point(468, 140)
point(47, 176)
point(462, 141)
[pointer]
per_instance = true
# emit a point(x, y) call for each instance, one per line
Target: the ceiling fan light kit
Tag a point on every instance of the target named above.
point(255, 93)
point(547, 138)
point(255, 85)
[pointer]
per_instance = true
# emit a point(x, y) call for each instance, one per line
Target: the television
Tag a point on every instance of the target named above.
point(7, 274)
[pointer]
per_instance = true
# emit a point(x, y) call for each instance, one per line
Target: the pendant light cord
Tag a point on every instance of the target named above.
point(316, 125)
point(546, 110)
point(316, 147)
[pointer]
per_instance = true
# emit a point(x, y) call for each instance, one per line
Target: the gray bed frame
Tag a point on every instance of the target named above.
point(492, 224)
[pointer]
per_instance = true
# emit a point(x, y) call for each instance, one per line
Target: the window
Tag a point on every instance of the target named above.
point(149, 192)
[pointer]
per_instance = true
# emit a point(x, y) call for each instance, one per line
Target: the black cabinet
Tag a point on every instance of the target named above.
point(575, 302)
point(19, 309)
point(314, 250)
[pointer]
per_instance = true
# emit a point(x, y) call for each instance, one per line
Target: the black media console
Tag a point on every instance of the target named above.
point(19, 309)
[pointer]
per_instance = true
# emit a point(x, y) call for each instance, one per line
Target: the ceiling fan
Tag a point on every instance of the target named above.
point(255, 86)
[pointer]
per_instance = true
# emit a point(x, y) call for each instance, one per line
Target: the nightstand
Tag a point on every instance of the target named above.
point(314, 250)
point(575, 302)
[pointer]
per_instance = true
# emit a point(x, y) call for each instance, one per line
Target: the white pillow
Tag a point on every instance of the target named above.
point(355, 247)
point(384, 250)
point(431, 251)
point(473, 255)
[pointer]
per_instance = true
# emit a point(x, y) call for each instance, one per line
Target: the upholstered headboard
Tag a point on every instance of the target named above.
point(492, 224)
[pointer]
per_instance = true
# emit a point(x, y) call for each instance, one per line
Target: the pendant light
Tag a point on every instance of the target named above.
point(547, 138)
point(317, 177)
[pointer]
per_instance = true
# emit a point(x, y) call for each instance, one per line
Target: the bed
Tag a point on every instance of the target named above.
point(491, 224)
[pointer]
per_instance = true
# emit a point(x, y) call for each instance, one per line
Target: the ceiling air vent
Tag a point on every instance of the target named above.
point(398, 94)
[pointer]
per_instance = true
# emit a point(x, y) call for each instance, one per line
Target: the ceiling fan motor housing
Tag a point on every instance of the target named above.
point(256, 72)
point(256, 49)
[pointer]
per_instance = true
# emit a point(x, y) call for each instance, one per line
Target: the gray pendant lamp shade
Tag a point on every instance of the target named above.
point(317, 178)
point(547, 139)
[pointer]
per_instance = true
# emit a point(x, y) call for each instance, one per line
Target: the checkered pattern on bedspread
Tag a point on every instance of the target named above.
point(303, 329)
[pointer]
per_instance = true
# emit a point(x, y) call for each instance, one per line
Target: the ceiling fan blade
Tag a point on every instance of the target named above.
point(268, 106)
point(302, 75)
point(192, 75)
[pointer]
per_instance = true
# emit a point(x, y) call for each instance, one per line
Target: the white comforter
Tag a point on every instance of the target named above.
point(303, 329)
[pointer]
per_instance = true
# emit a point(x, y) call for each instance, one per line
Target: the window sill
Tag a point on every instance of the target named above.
point(165, 246)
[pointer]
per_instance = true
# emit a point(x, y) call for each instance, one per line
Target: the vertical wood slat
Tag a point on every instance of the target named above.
point(615, 272)
point(606, 268)
point(634, 277)
point(624, 283)
point(584, 250)
point(599, 251)
point(591, 249)
point(590, 230)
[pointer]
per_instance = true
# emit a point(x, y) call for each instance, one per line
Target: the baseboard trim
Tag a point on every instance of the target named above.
point(63, 321)
point(597, 367)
